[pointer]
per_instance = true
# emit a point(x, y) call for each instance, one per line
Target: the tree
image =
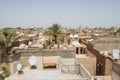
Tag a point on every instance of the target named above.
point(54, 31)
point(7, 38)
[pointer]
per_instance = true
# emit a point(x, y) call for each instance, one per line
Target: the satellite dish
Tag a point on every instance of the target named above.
point(65, 48)
point(30, 43)
point(71, 36)
point(40, 36)
point(76, 36)
point(19, 66)
point(32, 60)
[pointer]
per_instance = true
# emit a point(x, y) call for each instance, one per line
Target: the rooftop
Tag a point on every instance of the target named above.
point(61, 72)
point(43, 74)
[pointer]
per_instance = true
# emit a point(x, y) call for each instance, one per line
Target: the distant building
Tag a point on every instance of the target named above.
point(83, 35)
point(106, 44)
point(70, 31)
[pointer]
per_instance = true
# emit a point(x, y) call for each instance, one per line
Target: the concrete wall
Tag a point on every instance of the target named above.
point(115, 76)
point(13, 67)
point(24, 55)
point(61, 53)
point(83, 71)
point(101, 59)
point(14, 57)
point(115, 71)
point(107, 46)
point(23, 61)
point(108, 67)
point(89, 63)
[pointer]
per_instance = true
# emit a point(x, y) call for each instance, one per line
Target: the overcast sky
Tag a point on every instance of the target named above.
point(68, 13)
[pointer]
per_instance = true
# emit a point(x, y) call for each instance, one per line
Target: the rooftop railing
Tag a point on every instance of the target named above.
point(75, 69)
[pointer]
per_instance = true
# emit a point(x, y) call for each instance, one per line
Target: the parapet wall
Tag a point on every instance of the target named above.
point(83, 71)
point(61, 53)
point(116, 68)
point(101, 59)
point(115, 71)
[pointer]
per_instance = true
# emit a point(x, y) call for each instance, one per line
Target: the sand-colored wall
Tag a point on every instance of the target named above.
point(89, 63)
point(115, 76)
point(115, 71)
point(108, 67)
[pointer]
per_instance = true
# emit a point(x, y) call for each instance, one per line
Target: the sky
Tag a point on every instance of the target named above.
point(67, 13)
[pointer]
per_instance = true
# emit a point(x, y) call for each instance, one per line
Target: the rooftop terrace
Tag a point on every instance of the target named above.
point(43, 74)
point(66, 69)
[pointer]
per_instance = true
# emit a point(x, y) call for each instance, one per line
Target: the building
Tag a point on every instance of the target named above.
point(106, 44)
point(103, 63)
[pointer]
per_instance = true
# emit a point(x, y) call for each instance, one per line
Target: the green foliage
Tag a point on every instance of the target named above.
point(5, 69)
point(54, 31)
point(6, 72)
point(8, 37)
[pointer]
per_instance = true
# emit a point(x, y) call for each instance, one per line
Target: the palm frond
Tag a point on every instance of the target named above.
point(2, 42)
point(9, 37)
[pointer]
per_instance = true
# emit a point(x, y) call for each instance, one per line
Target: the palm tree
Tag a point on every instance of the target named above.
point(7, 38)
point(54, 31)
